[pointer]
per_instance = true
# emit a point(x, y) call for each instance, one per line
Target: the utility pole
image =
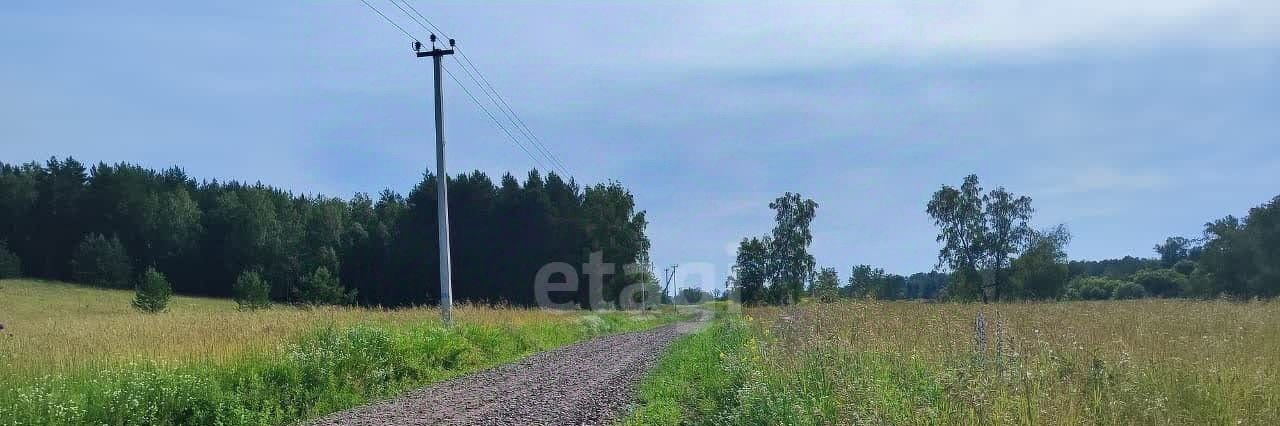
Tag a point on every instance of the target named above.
point(642, 294)
point(442, 183)
point(669, 274)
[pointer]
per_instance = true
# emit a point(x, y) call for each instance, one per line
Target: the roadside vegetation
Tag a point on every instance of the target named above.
point(72, 355)
point(696, 382)
point(857, 362)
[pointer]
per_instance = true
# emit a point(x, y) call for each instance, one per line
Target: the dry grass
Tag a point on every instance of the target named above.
point(53, 327)
point(1119, 362)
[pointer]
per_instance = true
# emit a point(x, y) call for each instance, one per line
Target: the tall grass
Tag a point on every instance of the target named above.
point(56, 327)
point(1121, 362)
point(75, 357)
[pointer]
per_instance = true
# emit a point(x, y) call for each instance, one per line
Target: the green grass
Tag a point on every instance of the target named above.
point(1111, 363)
point(697, 380)
point(214, 378)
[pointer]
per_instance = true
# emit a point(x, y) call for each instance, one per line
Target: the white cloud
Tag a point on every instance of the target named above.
point(715, 34)
point(826, 31)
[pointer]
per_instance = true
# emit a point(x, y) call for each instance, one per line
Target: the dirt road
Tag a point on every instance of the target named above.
point(587, 383)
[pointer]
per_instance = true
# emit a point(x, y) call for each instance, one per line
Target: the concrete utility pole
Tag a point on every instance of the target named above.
point(442, 184)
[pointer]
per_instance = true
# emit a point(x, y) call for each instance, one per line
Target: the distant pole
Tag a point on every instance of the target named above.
point(442, 184)
point(669, 274)
point(665, 272)
point(642, 294)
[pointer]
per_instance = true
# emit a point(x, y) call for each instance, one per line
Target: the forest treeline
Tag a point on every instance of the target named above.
point(104, 225)
point(990, 252)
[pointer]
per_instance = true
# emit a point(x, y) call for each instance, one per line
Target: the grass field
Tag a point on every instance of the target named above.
point(1121, 362)
point(76, 355)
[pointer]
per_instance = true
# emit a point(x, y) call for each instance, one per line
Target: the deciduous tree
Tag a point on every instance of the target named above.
point(1041, 271)
point(1173, 250)
point(1007, 233)
point(791, 264)
point(962, 230)
point(826, 287)
point(751, 270)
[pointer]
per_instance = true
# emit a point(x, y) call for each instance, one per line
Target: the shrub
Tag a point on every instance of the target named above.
point(10, 264)
point(322, 288)
point(1041, 271)
point(1185, 267)
point(827, 287)
point(1162, 283)
point(1092, 288)
point(153, 292)
point(101, 262)
point(252, 292)
point(1200, 284)
point(1128, 291)
point(1093, 292)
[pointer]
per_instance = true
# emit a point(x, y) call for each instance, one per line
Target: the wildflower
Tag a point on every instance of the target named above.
point(980, 332)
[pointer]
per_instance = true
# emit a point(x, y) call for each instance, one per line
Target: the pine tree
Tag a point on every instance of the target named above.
point(153, 292)
point(10, 264)
point(252, 292)
point(322, 288)
point(101, 262)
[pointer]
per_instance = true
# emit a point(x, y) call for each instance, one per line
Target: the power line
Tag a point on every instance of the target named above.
point(487, 88)
point(424, 18)
point(389, 21)
point(442, 204)
point(411, 18)
point(494, 119)
point(515, 120)
point(513, 116)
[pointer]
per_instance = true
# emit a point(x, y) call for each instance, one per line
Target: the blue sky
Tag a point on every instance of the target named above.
point(1127, 122)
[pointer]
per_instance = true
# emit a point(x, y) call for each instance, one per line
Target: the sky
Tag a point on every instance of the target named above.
point(1127, 121)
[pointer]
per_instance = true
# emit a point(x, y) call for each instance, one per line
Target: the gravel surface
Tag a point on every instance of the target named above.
point(586, 383)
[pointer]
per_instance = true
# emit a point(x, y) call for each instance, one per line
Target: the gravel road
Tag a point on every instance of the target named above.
point(586, 383)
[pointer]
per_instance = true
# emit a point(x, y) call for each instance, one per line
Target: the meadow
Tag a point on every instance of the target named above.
point(77, 355)
point(864, 362)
